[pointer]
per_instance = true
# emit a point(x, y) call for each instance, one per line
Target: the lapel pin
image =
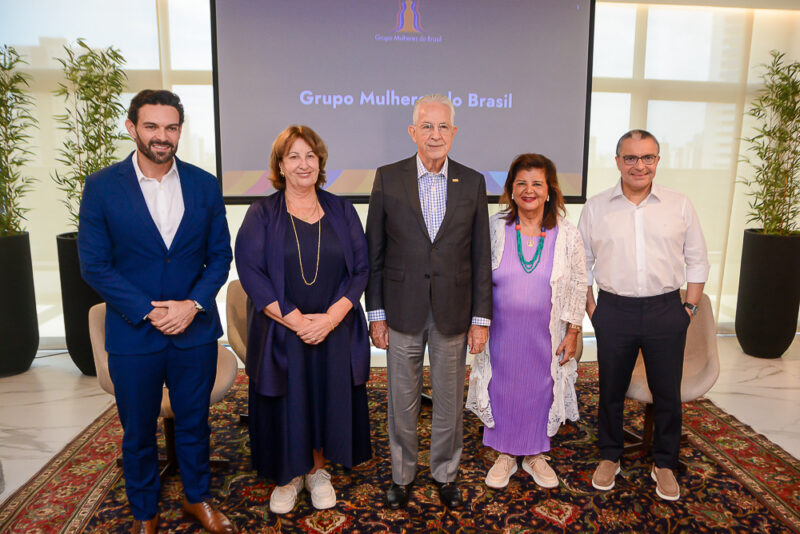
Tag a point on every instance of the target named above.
point(455, 180)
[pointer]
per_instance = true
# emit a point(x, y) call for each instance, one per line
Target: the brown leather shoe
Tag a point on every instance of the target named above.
point(212, 519)
point(145, 527)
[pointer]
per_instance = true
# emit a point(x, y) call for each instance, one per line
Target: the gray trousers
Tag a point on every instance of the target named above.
point(447, 356)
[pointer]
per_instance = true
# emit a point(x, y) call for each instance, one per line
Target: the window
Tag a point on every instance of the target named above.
point(190, 34)
point(695, 44)
point(197, 143)
point(40, 28)
point(614, 30)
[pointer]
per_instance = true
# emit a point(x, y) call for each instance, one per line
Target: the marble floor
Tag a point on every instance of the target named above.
point(42, 409)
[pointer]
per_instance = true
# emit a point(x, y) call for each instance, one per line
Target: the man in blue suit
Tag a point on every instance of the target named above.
point(154, 243)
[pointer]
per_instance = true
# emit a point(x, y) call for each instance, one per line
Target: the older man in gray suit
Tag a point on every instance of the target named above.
point(430, 283)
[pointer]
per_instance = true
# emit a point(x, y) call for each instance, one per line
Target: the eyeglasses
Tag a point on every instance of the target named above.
point(649, 159)
point(427, 128)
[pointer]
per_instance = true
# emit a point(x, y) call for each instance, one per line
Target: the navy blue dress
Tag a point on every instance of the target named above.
point(322, 408)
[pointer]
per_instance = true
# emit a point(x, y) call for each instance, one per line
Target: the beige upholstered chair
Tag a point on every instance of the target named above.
point(236, 317)
point(236, 314)
point(579, 348)
point(226, 374)
point(700, 371)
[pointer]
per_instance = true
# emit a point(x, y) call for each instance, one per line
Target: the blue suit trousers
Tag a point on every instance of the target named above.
point(189, 375)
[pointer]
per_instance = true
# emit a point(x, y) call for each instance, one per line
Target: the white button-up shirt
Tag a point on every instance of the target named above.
point(646, 249)
point(164, 199)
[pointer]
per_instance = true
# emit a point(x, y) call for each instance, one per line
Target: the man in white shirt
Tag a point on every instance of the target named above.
point(642, 243)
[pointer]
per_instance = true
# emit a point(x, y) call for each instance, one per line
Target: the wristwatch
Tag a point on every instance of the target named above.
point(691, 307)
point(198, 306)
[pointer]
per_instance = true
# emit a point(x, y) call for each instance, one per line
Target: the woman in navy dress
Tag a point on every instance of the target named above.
point(301, 255)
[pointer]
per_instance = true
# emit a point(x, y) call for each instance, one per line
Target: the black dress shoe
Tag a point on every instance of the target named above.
point(397, 496)
point(450, 494)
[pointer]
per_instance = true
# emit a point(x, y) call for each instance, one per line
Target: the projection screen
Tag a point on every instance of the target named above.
point(518, 72)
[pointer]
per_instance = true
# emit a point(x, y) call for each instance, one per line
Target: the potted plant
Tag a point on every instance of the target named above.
point(94, 81)
point(769, 279)
point(19, 326)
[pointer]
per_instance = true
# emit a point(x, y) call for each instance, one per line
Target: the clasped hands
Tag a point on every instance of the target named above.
point(172, 317)
point(314, 328)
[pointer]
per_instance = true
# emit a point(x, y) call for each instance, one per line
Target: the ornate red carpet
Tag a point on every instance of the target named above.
point(732, 480)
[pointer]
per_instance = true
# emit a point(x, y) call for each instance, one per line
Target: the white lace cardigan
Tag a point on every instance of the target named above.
point(568, 300)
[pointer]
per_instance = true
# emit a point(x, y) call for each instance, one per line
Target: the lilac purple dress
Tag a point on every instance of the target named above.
point(521, 388)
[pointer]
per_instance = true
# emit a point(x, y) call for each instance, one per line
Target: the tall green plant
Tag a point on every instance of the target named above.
point(94, 81)
point(16, 119)
point(775, 185)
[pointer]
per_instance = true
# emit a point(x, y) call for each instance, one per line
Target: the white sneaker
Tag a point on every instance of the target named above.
point(542, 473)
point(502, 470)
point(284, 498)
point(319, 486)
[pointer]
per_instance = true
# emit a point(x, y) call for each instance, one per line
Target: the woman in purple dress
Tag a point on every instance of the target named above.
point(539, 292)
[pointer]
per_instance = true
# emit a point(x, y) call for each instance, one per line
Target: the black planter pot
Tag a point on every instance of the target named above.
point(769, 293)
point(76, 299)
point(19, 326)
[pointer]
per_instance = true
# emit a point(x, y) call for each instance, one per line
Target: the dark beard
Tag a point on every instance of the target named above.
point(152, 156)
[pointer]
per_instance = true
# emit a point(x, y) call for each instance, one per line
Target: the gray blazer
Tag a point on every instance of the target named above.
point(408, 273)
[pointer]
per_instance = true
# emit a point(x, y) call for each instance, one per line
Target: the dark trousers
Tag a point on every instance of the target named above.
point(656, 325)
point(138, 381)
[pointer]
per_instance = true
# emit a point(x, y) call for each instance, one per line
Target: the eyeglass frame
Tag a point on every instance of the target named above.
point(635, 159)
point(428, 128)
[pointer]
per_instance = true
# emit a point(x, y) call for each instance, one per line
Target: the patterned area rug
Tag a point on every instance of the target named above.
point(732, 480)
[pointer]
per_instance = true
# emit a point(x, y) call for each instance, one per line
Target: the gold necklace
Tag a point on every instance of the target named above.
point(530, 239)
point(313, 210)
point(300, 256)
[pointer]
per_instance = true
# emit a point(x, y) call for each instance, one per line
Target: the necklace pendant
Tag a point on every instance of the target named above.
point(530, 243)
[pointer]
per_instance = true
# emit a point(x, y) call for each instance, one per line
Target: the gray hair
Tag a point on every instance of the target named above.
point(638, 134)
point(433, 99)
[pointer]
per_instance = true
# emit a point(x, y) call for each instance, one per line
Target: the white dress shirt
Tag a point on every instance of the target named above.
point(644, 250)
point(164, 199)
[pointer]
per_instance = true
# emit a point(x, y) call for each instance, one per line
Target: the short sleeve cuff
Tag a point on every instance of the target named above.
point(481, 321)
point(376, 315)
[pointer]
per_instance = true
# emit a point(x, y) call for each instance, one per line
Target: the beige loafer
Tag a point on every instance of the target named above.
point(605, 474)
point(666, 485)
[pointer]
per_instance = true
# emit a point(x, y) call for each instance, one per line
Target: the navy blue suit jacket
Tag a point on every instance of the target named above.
point(125, 260)
point(260, 263)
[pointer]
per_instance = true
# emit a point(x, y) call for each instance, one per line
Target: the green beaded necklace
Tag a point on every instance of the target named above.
point(529, 266)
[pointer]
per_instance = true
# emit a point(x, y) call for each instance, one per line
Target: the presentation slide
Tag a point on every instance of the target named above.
point(517, 71)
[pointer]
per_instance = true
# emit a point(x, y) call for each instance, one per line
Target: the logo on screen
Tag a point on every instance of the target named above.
point(408, 19)
point(408, 26)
